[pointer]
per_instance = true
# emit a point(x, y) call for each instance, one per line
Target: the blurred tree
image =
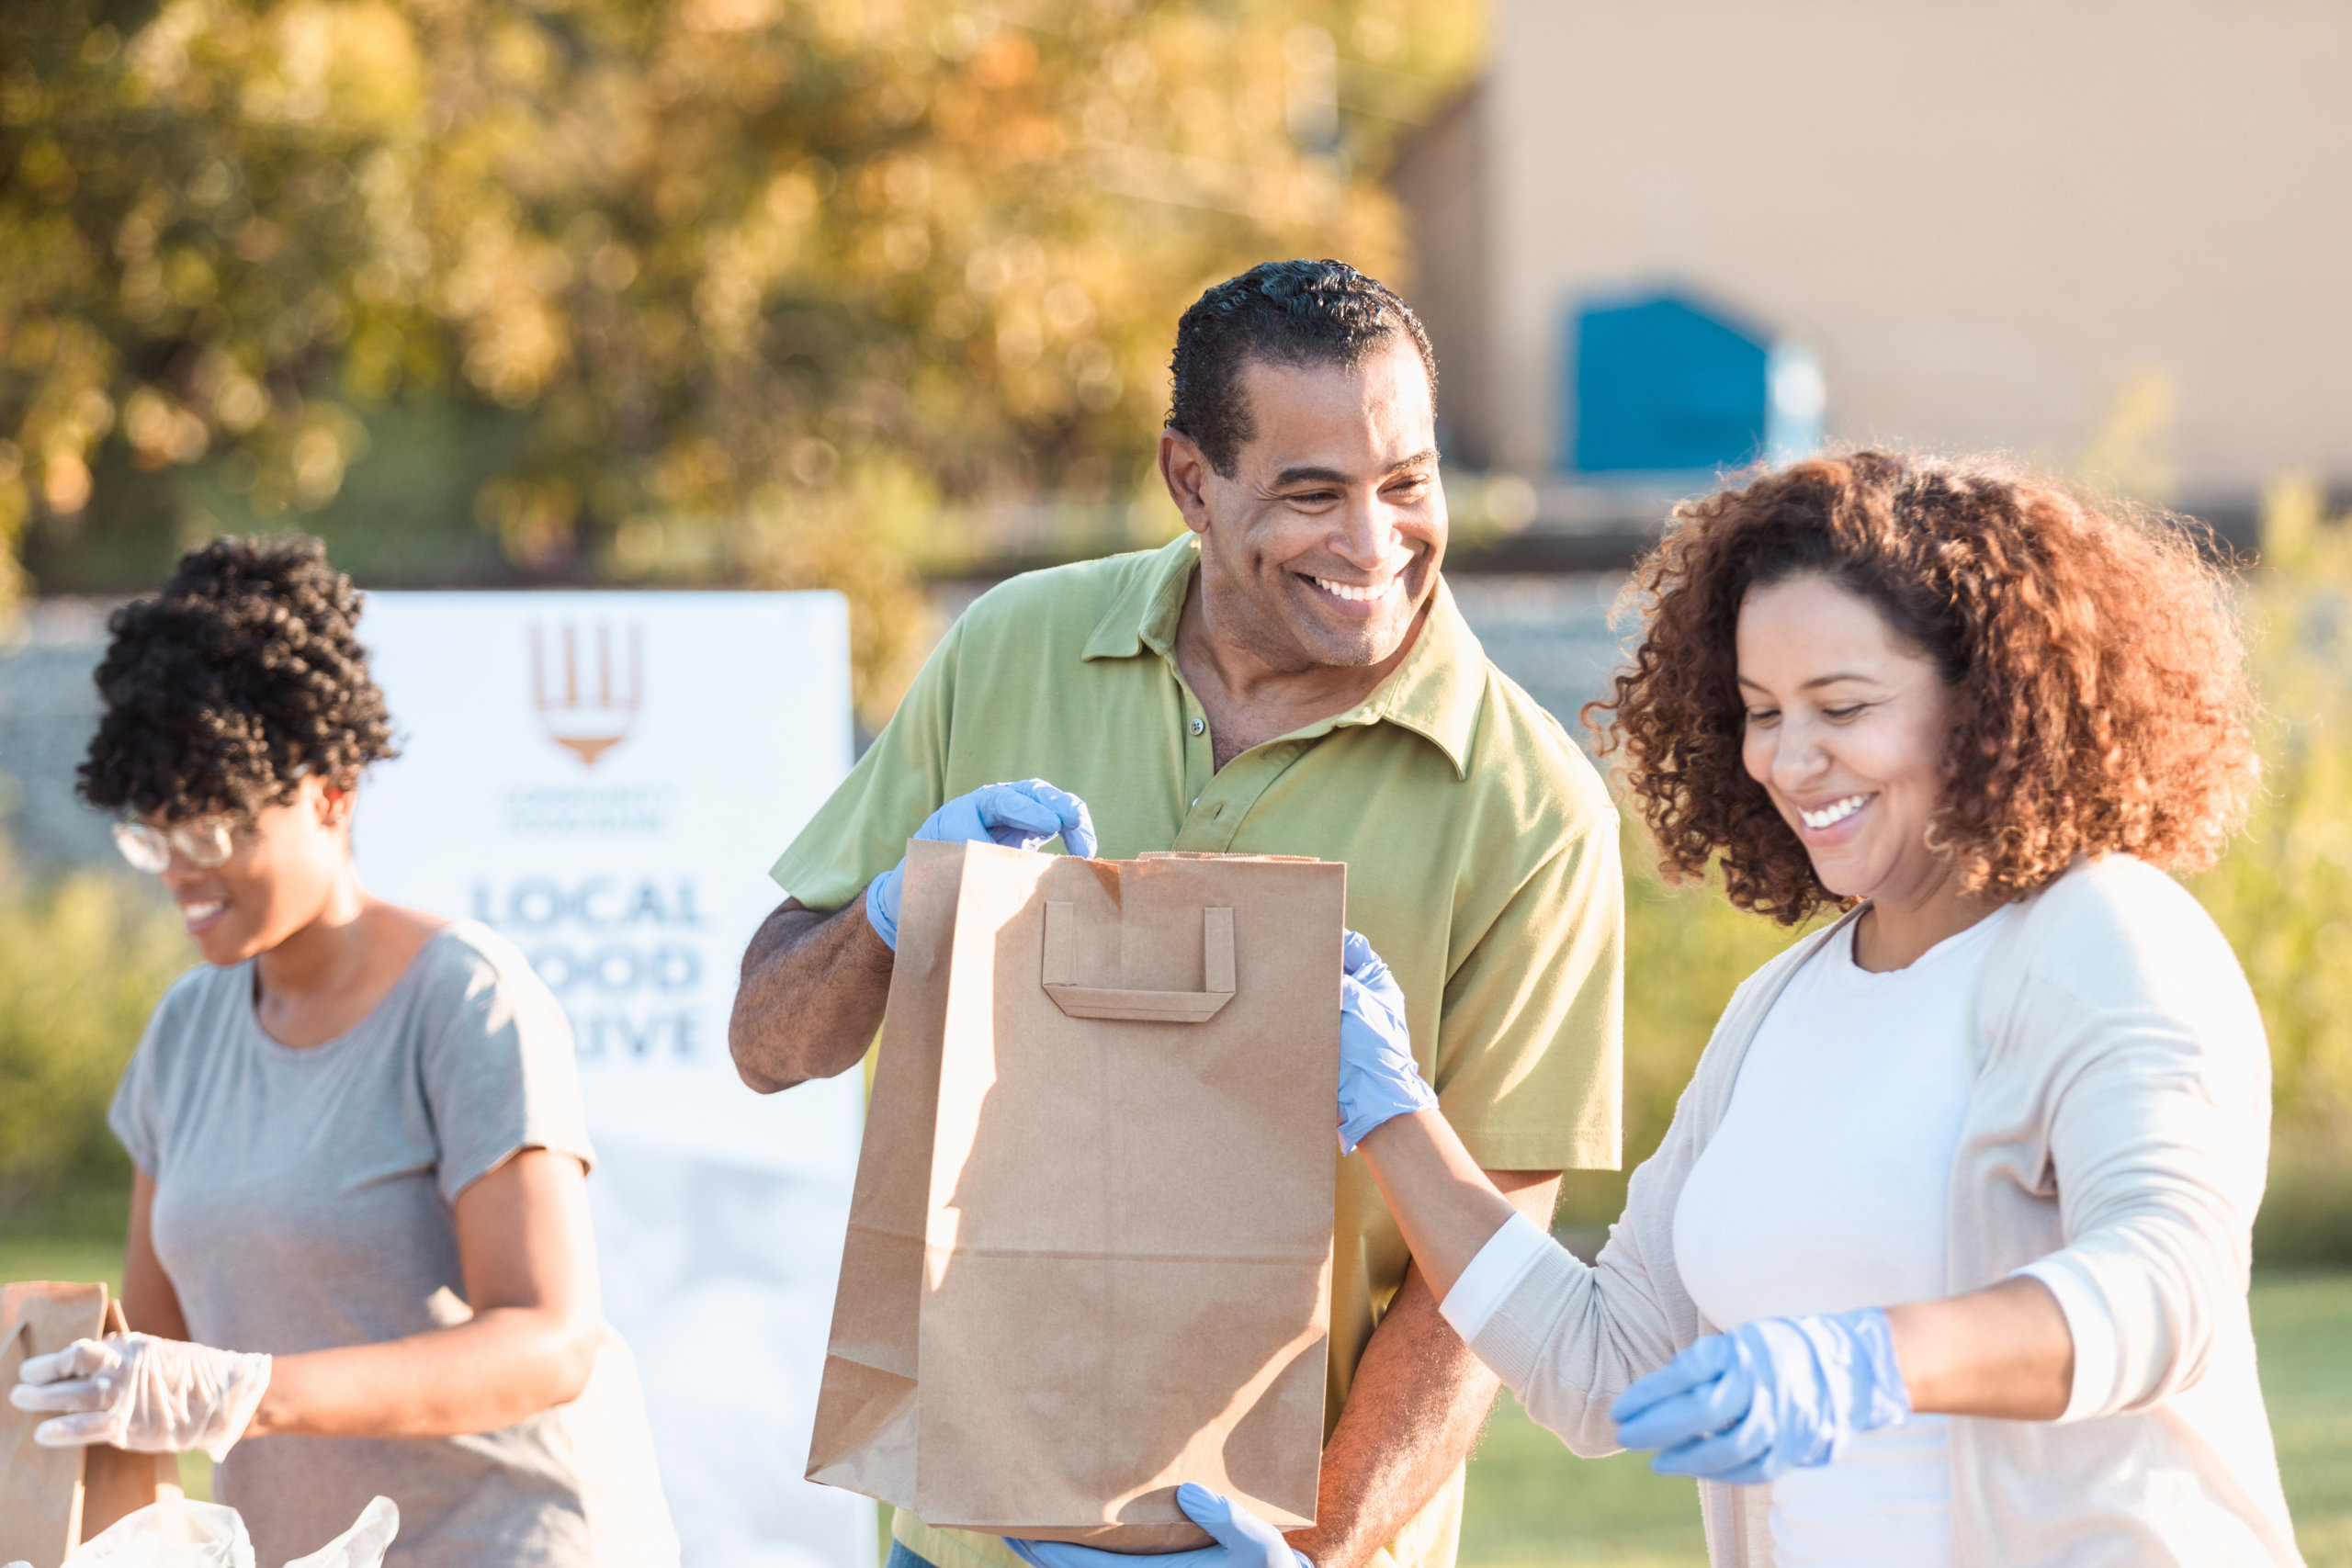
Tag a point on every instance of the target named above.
point(671, 290)
point(83, 960)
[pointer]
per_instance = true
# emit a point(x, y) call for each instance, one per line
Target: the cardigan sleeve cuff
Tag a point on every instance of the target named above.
point(1512, 1340)
point(1500, 1265)
point(2091, 1324)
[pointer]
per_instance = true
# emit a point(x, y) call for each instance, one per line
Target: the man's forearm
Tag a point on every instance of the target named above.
point(1414, 1408)
point(813, 988)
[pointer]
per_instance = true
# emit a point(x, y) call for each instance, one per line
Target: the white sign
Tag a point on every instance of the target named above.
point(604, 779)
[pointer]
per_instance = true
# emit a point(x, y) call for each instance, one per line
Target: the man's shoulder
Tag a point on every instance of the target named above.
point(1521, 751)
point(1056, 602)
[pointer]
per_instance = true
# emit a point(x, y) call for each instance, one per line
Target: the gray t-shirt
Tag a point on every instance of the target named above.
point(303, 1202)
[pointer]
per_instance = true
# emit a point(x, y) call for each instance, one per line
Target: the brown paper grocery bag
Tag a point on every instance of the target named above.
point(52, 1500)
point(1089, 1244)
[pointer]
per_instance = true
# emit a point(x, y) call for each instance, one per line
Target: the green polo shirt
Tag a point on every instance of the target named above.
point(1482, 861)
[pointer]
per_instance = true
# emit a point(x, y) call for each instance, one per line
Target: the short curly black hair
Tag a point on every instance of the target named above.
point(1291, 313)
point(236, 678)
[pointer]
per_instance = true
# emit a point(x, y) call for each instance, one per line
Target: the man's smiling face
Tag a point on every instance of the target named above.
point(1321, 546)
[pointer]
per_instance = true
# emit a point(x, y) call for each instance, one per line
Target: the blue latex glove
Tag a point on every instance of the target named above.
point(1020, 815)
point(1378, 1078)
point(1772, 1395)
point(1243, 1541)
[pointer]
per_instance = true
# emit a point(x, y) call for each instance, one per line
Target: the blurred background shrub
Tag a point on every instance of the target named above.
point(2284, 892)
point(83, 959)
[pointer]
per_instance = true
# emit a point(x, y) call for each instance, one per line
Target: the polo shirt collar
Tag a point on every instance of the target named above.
point(1146, 610)
point(1435, 693)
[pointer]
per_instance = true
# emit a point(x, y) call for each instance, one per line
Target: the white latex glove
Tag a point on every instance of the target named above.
point(208, 1535)
point(137, 1391)
point(172, 1530)
point(364, 1544)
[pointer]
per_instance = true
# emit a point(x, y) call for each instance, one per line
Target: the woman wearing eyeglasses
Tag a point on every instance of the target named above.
point(359, 1257)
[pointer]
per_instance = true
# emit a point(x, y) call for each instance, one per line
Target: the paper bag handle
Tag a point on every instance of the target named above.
point(1140, 1006)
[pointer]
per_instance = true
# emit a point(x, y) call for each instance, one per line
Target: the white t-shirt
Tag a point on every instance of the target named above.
point(1825, 1190)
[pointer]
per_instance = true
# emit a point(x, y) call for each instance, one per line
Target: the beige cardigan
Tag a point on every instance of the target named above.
point(2119, 1119)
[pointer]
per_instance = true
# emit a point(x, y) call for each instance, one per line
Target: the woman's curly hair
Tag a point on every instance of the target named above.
point(239, 676)
point(2101, 704)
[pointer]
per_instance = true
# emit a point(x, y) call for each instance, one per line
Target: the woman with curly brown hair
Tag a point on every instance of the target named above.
point(359, 1252)
point(1944, 1257)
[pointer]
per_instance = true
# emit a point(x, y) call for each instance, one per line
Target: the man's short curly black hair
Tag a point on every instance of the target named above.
point(1289, 313)
point(240, 675)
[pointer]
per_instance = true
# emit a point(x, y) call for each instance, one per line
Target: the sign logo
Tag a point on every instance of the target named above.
point(587, 686)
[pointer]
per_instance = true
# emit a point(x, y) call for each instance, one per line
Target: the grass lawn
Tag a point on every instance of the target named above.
point(1534, 1504)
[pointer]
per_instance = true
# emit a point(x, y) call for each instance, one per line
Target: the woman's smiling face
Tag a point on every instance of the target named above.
point(278, 877)
point(1847, 727)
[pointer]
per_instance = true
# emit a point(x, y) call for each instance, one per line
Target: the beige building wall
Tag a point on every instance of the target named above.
point(1988, 216)
point(1442, 178)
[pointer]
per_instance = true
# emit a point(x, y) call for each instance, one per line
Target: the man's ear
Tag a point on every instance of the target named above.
point(1186, 470)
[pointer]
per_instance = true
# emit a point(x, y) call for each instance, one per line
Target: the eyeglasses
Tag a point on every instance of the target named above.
point(203, 843)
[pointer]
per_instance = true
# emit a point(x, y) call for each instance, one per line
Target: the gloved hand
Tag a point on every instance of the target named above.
point(1771, 1396)
point(1020, 815)
point(1378, 1078)
point(1243, 1541)
point(137, 1391)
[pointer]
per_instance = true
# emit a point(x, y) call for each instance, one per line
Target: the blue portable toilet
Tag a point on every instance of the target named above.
point(1659, 383)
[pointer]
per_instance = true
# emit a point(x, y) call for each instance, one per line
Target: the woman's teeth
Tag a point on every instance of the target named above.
point(196, 914)
point(1836, 811)
point(1360, 592)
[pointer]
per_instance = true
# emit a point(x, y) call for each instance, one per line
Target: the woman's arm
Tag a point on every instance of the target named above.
point(149, 1302)
point(530, 1275)
point(1443, 1202)
point(2004, 1351)
point(1568, 1337)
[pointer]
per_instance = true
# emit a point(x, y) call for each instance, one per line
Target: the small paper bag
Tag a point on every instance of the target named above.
point(1089, 1244)
point(52, 1500)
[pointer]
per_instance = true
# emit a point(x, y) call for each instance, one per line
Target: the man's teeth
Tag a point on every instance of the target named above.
point(1836, 811)
point(1360, 592)
point(205, 911)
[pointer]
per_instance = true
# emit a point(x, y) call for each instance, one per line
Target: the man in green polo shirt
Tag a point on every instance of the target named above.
point(1290, 676)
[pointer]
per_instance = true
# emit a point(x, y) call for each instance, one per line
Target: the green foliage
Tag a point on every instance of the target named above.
point(744, 288)
point(2284, 891)
point(83, 961)
point(2283, 894)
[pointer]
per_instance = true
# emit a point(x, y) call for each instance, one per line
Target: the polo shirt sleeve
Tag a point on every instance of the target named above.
point(862, 830)
point(1529, 1062)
